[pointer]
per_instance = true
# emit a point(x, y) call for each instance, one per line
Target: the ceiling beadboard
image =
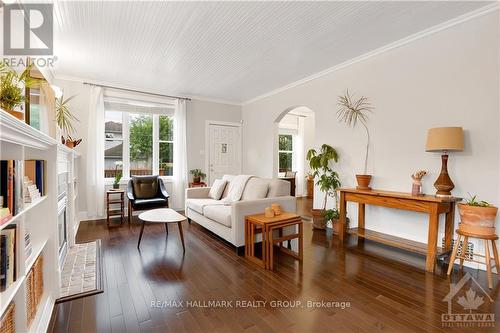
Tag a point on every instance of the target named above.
point(230, 51)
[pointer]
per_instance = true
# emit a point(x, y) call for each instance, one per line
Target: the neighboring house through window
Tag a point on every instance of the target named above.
point(286, 154)
point(140, 135)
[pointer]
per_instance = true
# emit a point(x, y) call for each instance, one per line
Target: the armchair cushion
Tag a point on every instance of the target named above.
point(152, 201)
point(145, 187)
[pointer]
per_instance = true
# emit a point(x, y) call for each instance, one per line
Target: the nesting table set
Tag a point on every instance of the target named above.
point(259, 224)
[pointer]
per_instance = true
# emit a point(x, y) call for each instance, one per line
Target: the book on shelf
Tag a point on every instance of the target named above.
point(15, 191)
point(7, 257)
point(5, 215)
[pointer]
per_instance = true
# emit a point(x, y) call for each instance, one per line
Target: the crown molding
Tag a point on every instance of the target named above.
point(401, 42)
point(106, 83)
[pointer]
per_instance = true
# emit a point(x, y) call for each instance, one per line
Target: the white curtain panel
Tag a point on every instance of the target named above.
point(95, 154)
point(180, 172)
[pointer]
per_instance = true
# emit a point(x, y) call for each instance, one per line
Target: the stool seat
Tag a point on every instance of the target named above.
point(468, 234)
point(487, 239)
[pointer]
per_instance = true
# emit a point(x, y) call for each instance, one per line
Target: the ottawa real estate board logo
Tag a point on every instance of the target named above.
point(28, 29)
point(467, 304)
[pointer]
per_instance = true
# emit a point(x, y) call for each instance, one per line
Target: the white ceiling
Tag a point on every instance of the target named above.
point(231, 51)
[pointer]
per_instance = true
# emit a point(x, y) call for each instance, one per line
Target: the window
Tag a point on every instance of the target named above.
point(141, 135)
point(285, 150)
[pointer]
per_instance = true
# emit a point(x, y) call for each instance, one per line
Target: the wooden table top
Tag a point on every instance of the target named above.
point(400, 195)
point(283, 217)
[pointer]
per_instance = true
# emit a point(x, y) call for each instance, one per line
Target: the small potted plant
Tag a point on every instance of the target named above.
point(477, 216)
point(118, 175)
point(328, 181)
point(198, 175)
point(12, 86)
point(352, 112)
point(64, 119)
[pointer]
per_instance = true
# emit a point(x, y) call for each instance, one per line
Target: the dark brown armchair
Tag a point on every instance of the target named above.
point(146, 192)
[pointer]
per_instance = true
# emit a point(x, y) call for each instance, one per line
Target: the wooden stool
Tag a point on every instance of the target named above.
point(114, 201)
point(487, 257)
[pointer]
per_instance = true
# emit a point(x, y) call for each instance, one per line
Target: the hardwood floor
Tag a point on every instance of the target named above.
point(388, 290)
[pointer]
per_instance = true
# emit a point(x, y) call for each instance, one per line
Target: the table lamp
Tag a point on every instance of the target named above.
point(444, 139)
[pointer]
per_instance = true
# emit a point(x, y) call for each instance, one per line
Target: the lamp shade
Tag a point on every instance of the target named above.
point(445, 138)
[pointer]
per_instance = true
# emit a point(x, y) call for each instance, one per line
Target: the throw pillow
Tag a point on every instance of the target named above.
point(217, 189)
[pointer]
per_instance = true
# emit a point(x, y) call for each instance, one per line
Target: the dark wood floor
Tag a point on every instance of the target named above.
point(388, 290)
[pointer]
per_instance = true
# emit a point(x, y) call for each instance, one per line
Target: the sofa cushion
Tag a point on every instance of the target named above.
point(217, 189)
point(256, 188)
point(219, 214)
point(198, 205)
point(278, 188)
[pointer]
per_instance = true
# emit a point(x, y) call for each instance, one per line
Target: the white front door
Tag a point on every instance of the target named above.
point(224, 150)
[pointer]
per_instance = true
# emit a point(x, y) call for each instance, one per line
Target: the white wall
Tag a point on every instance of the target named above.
point(449, 78)
point(197, 113)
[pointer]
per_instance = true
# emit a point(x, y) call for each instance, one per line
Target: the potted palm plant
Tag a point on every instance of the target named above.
point(328, 181)
point(477, 216)
point(12, 86)
point(198, 175)
point(353, 112)
point(64, 119)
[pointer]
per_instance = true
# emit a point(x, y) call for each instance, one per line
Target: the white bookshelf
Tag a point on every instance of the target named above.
point(19, 141)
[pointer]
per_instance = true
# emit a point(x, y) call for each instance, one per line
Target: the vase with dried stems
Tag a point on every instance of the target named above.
point(352, 112)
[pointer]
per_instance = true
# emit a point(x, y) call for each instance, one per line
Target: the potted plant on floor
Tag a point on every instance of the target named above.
point(477, 217)
point(12, 85)
point(198, 175)
point(354, 112)
point(328, 180)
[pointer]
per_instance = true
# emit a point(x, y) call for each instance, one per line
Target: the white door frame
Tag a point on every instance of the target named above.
point(207, 145)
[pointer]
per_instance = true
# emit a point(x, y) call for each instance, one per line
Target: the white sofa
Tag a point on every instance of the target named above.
point(228, 220)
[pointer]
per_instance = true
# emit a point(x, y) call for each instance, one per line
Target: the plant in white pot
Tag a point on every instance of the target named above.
point(477, 216)
point(353, 112)
point(328, 181)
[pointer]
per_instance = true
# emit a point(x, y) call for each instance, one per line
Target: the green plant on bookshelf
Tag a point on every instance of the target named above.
point(12, 85)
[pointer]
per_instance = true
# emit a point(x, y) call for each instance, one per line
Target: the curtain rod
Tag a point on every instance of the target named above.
point(137, 91)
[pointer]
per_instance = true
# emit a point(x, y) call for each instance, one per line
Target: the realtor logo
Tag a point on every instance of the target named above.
point(471, 301)
point(28, 29)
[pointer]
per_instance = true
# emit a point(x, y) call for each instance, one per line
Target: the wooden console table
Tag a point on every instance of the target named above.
point(432, 205)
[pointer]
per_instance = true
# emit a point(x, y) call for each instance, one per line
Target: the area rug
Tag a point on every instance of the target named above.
point(82, 271)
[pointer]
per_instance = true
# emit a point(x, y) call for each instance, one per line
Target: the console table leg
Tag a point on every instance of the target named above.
point(342, 221)
point(432, 240)
point(448, 227)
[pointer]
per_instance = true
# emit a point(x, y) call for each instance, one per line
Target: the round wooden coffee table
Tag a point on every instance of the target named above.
point(162, 215)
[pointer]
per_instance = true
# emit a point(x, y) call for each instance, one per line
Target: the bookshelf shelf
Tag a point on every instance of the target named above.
point(40, 324)
point(8, 294)
point(27, 208)
point(36, 251)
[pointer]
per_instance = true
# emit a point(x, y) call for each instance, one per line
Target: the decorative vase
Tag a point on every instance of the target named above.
point(276, 209)
point(477, 220)
point(416, 188)
point(363, 182)
point(268, 212)
point(319, 220)
point(116, 186)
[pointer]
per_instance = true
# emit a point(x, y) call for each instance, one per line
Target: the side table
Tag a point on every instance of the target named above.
point(112, 200)
point(255, 224)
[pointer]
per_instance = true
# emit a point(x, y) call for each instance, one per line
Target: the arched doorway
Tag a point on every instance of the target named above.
point(294, 134)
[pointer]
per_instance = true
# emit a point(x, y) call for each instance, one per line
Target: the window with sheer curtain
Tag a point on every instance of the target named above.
point(140, 135)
